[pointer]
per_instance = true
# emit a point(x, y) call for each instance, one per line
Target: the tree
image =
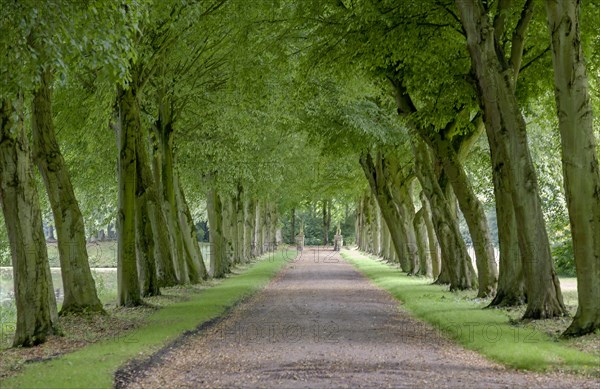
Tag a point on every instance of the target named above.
point(506, 126)
point(579, 158)
point(34, 294)
point(79, 287)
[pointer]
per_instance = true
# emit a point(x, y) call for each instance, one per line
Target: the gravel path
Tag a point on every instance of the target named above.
point(321, 324)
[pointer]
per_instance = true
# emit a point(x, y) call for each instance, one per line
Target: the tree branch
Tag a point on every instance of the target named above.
point(518, 38)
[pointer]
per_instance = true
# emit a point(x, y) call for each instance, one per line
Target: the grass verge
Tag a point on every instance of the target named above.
point(489, 332)
point(94, 366)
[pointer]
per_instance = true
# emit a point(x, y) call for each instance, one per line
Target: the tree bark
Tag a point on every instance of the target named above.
point(167, 275)
point(511, 289)
point(165, 130)
point(239, 203)
point(422, 244)
point(193, 255)
point(145, 248)
point(249, 218)
point(504, 119)
point(431, 237)
point(403, 199)
point(293, 226)
point(147, 202)
point(459, 268)
point(473, 212)
point(127, 125)
point(214, 208)
point(34, 293)
point(579, 159)
point(378, 171)
point(78, 284)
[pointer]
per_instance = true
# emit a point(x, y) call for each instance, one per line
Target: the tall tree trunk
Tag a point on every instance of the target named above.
point(167, 276)
point(217, 254)
point(378, 171)
point(325, 232)
point(239, 203)
point(146, 260)
point(293, 226)
point(249, 218)
point(511, 282)
point(226, 228)
point(403, 198)
point(385, 240)
point(79, 287)
point(431, 237)
point(473, 212)
point(127, 125)
point(579, 159)
point(459, 267)
point(193, 255)
point(258, 231)
point(34, 293)
point(504, 120)
point(375, 220)
point(146, 203)
point(165, 129)
point(422, 244)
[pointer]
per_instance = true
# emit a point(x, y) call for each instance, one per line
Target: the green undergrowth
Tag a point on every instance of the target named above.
point(94, 366)
point(490, 332)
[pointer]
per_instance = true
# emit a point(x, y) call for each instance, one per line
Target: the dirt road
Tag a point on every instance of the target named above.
point(321, 324)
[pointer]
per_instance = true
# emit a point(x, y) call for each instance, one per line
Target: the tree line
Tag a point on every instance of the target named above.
point(158, 113)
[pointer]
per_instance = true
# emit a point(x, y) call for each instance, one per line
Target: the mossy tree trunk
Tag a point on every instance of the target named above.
point(459, 268)
point(579, 159)
point(34, 293)
point(217, 255)
point(127, 124)
point(79, 287)
point(504, 120)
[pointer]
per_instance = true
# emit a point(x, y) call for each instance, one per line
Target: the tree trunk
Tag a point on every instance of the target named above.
point(422, 244)
point(249, 218)
point(403, 198)
point(215, 209)
point(579, 159)
point(325, 232)
point(459, 268)
point(165, 127)
point(34, 293)
point(239, 202)
point(193, 255)
point(258, 229)
point(146, 203)
point(146, 260)
point(293, 226)
point(511, 281)
point(378, 170)
point(504, 120)
point(167, 275)
point(385, 240)
point(375, 220)
point(127, 124)
point(79, 286)
point(473, 212)
point(431, 237)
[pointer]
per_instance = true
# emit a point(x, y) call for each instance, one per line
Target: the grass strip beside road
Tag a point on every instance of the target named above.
point(94, 366)
point(487, 331)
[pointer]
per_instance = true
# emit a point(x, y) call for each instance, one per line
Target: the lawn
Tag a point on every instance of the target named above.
point(495, 333)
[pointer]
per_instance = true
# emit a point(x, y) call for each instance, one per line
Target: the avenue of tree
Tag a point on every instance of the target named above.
point(435, 125)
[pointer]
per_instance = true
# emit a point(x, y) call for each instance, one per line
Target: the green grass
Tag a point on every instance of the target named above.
point(462, 318)
point(94, 365)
